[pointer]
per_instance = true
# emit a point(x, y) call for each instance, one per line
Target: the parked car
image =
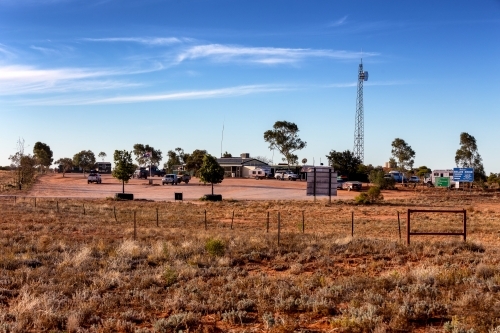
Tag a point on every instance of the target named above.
point(414, 179)
point(340, 182)
point(170, 179)
point(158, 172)
point(141, 173)
point(352, 185)
point(94, 177)
point(184, 178)
point(288, 174)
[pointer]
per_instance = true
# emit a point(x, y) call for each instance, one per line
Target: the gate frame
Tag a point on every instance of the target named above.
point(408, 233)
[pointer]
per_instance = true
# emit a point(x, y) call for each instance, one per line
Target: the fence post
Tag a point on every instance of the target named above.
point(232, 220)
point(57, 205)
point(157, 222)
point(35, 202)
point(465, 225)
point(408, 228)
point(83, 205)
point(279, 228)
point(206, 219)
point(267, 225)
point(303, 222)
point(15, 200)
point(352, 224)
point(135, 227)
point(114, 211)
point(399, 226)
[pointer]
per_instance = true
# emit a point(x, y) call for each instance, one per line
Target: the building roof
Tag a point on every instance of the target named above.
point(240, 161)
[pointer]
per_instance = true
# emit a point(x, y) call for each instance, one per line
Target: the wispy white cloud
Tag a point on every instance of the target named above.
point(263, 55)
point(338, 22)
point(45, 50)
point(17, 80)
point(4, 50)
point(179, 95)
point(140, 40)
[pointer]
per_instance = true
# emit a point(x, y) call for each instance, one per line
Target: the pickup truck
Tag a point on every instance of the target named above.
point(282, 175)
point(94, 178)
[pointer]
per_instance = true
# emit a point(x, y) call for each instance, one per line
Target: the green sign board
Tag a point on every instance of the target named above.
point(443, 181)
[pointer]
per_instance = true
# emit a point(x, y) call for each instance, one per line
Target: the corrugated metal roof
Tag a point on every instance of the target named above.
point(239, 161)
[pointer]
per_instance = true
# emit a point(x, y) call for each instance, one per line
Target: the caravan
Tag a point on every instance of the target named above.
point(439, 176)
point(257, 174)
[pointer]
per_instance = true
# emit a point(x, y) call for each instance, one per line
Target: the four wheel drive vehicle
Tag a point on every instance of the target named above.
point(94, 178)
point(184, 178)
point(158, 172)
point(170, 179)
point(282, 175)
point(340, 182)
point(352, 185)
point(414, 179)
point(142, 173)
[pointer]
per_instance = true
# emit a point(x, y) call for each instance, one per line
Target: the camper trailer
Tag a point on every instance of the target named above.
point(257, 174)
point(432, 178)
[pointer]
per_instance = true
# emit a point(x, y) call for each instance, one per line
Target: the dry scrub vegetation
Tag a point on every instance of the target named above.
point(70, 266)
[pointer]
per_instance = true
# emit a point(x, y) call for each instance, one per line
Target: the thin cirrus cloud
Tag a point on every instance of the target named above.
point(263, 55)
point(141, 40)
point(338, 22)
point(179, 95)
point(15, 80)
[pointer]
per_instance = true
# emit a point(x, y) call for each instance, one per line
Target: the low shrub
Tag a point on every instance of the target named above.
point(215, 247)
point(373, 195)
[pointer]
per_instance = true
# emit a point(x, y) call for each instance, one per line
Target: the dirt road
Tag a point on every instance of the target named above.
point(75, 186)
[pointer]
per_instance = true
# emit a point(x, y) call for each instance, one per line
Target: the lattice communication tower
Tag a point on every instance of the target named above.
point(359, 130)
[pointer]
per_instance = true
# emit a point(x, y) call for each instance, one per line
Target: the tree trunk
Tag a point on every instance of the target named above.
point(212, 188)
point(123, 186)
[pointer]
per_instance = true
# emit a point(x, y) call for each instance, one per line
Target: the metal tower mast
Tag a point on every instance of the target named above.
point(359, 130)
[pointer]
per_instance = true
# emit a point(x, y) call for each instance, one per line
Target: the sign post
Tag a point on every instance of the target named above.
point(443, 181)
point(463, 175)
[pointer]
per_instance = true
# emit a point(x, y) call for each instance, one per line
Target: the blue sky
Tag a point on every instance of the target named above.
point(104, 75)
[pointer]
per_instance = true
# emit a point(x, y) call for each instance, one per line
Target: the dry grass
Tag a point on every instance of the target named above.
point(69, 266)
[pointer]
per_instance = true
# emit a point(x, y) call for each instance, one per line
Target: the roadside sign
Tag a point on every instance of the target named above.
point(463, 174)
point(443, 181)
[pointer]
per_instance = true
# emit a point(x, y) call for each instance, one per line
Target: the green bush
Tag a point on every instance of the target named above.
point(215, 247)
point(377, 178)
point(373, 195)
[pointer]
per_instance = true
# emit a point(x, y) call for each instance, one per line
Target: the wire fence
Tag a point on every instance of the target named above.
point(336, 220)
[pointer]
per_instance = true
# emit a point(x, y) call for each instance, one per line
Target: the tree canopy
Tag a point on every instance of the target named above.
point(210, 171)
point(146, 155)
point(66, 163)
point(102, 155)
point(85, 160)
point(42, 154)
point(195, 160)
point(467, 156)
point(124, 167)
point(344, 163)
point(175, 157)
point(403, 154)
point(285, 138)
point(422, 171)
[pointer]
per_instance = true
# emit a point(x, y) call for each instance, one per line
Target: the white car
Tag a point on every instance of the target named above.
point(170, 179)
point(94, 177)
point(282, 175)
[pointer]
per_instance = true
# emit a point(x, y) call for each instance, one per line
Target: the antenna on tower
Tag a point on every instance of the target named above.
point(222, 139)
point(359, 130)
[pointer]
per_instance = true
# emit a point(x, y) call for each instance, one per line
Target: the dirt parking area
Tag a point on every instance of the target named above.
point(75, 186)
